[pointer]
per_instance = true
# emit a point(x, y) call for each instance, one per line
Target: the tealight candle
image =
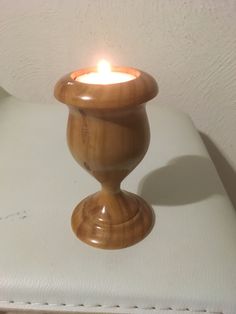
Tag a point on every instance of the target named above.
point(105, 75)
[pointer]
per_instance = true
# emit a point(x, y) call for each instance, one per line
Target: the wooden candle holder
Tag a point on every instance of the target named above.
point(108, 135)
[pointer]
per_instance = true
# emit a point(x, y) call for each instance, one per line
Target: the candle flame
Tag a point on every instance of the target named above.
point(104, 67)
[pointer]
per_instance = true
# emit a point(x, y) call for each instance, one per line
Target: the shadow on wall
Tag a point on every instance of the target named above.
point(183, 180)
point(225, 170)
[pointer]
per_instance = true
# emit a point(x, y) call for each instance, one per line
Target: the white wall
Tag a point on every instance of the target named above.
point(189, 46)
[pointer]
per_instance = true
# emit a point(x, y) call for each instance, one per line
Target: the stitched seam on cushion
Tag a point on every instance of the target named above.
point(154, 308)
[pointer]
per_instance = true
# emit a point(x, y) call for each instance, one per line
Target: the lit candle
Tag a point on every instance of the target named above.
point(105, 75)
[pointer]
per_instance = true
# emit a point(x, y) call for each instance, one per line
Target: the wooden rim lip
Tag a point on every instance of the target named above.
point(106, 96)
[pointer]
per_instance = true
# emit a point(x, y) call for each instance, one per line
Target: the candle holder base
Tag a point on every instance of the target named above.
point(112, 221)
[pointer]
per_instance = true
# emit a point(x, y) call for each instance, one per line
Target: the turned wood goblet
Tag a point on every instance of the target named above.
point(108, 135)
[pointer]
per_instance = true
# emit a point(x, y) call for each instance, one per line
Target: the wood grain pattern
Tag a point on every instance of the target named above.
point(112, 221)
point(112, 96)
point(108, 135)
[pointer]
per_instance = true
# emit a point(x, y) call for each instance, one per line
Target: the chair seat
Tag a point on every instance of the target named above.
point(187, 264)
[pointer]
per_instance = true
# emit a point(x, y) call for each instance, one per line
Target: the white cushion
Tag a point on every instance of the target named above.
point(187, 264)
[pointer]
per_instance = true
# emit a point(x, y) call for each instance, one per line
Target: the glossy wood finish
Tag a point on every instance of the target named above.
point(106, 97)
point(108, 135)
point(112, 221)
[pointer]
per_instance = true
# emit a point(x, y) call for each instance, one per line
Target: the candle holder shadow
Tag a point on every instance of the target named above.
point(108, 135)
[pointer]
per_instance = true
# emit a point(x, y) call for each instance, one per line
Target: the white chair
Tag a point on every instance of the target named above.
point(187, 264)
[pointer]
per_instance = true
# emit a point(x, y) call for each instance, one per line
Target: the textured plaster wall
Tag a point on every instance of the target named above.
point(189, 46)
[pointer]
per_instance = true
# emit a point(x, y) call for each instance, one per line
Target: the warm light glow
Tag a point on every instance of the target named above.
point(104, 67)
point(104, 75)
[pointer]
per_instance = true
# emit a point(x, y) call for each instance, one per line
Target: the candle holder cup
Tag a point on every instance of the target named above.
point(108, 135)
